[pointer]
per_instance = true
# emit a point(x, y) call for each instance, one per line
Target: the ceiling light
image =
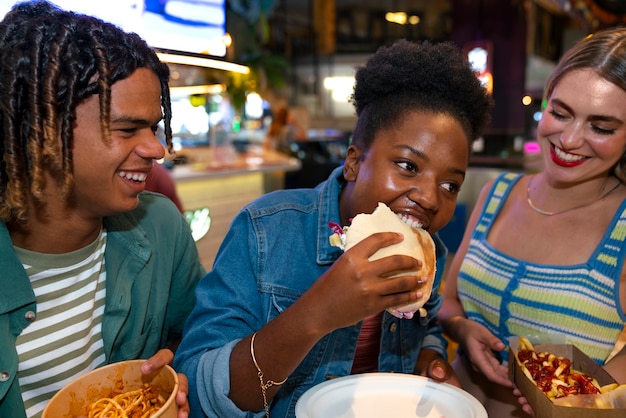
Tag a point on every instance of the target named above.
point(396, 17)
point(203, 62)
point(201, 89)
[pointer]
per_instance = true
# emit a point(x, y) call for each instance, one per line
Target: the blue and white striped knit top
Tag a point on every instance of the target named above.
point(512, 297)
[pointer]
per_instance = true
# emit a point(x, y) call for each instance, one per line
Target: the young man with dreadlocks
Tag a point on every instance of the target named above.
point(94, 269)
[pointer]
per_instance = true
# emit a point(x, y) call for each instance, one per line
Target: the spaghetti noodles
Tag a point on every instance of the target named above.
point(139, 403)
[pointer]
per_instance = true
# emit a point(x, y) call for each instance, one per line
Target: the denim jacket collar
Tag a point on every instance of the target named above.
point(328, 211)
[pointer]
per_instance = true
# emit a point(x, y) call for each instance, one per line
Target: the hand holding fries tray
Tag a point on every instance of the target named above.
point(573, 406)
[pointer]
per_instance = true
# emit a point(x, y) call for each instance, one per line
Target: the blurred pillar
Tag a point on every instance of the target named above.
point(324, 26)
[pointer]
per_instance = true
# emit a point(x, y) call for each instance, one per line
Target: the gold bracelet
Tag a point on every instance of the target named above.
point(264, 386)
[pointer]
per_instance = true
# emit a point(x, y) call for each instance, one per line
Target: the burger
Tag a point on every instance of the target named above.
point(417, 243)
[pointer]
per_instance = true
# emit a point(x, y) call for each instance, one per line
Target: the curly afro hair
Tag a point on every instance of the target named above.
point(407, 77)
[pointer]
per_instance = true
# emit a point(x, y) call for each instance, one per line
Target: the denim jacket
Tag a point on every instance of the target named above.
point(276, 248)
point(152, 268)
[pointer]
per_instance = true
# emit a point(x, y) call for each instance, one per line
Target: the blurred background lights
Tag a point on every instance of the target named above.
point(254, 105)
point(340, 87)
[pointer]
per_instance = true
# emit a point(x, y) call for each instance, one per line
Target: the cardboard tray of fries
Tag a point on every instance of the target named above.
point(545, 407)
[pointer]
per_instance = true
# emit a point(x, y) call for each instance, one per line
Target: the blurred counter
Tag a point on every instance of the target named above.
point(510, 163)
point(206, 163)
point(216, 184)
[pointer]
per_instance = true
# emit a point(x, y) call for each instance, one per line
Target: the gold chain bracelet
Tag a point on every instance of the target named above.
point(264, 386)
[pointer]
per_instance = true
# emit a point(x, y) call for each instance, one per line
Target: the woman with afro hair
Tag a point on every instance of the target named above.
point(282, 310)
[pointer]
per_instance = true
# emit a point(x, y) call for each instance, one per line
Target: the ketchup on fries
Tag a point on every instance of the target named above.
point(554, 375)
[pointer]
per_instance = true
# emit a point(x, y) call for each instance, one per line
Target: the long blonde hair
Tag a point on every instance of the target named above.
point(604, 53)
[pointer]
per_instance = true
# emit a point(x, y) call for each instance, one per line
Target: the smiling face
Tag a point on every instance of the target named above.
point(109, 175)
point(416, 168)
point(582, 131)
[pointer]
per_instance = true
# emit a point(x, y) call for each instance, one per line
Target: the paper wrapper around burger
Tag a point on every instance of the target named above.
point(417, 243)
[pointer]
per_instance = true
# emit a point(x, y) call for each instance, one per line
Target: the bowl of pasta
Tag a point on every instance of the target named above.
point(117, 390)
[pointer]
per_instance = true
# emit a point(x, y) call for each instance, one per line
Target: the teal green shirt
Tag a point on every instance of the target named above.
point(151, 264)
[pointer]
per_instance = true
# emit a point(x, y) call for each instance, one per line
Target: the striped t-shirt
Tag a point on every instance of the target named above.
point(64, 341)
point(513, 297)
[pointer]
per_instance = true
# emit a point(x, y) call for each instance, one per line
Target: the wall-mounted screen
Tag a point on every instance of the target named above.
point(195, 26)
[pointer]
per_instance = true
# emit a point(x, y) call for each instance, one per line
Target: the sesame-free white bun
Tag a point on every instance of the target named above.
point(417, 243)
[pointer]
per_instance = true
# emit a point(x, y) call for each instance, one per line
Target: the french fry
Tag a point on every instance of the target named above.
point(609, 387)
point(525, 344)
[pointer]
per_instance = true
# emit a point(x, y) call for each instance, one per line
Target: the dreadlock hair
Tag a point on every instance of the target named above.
point(407, 77)
point(51, 60)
